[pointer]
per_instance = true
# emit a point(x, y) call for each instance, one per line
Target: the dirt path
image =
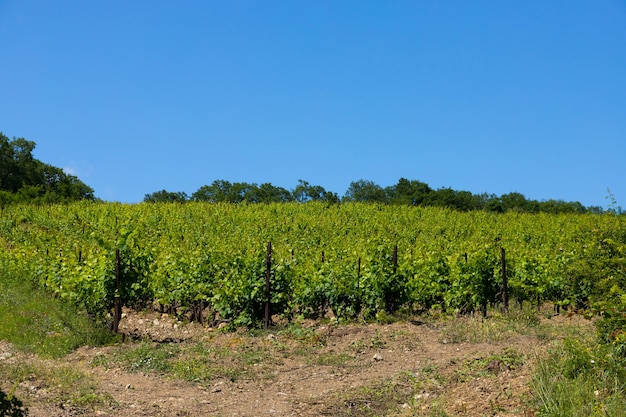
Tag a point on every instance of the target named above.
point(401, 369)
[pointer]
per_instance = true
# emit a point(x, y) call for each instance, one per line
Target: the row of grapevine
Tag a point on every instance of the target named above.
point(338, 257)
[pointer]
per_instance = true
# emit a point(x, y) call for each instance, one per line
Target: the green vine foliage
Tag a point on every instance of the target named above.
point(335, 259)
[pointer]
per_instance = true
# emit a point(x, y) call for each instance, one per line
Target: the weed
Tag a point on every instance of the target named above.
point(487, 366)
point(333, 359)
point(64, 384)
point(580, 378)
point(145, 357)
point(384, 398)
point(428, 380)
point(502, 327)
point(34, 321)
point(376, 342)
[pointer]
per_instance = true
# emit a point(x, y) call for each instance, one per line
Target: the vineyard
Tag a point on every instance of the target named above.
point(223, 262)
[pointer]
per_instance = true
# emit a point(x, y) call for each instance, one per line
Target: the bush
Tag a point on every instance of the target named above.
point(11, 406)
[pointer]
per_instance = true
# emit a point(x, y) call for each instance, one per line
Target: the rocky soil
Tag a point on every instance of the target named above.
point(456, 367)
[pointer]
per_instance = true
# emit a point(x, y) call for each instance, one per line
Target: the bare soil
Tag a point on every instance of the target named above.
point(398, 369)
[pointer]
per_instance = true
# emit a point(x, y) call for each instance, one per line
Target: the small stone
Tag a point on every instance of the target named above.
point(494, 366)
point(156, 322)
point(421, 396)
point(378, 357)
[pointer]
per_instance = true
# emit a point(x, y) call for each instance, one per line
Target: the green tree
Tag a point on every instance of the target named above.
point(26, 179)
point(217, 192)
point(164, 196)
point(243, 192)
point(305, 192)
point(456, 200)
point(407, 192)
point(221, 191)
point(365, 191)
point(560, 206)
point(268, 193)
point(515, 201)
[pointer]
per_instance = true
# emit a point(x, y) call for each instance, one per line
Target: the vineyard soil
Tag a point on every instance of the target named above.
point(463, 366)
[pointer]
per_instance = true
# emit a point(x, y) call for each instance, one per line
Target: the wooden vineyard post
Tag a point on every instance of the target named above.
point(358, 285)
point(268, 272)
point(392, 303)
point(505, 289)
point(117, 305)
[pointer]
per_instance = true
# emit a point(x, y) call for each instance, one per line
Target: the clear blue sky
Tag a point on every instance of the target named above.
point(484, 96)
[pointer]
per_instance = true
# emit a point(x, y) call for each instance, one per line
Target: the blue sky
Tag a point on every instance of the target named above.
point(484, 96)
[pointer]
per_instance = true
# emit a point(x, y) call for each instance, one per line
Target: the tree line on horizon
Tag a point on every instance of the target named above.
point(24, 179)
point(405, 192)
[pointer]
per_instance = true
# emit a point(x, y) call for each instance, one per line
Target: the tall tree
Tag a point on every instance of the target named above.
point(305, 192)
point(515, 201)
point(217, 192)
point(365, 191)
point(164, 196)
point(407, 192)
point(268, 193)
point(26, 179)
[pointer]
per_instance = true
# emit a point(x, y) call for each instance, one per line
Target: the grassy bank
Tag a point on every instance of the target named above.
point(35, 322)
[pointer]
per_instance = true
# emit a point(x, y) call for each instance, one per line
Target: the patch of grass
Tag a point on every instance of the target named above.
point(406, 393)
point(501, 327)
point(428, 380)
point(304, 335)
point(57, 384)
point(580, 377)
point(240, 358)
point(232, 358)
point(488, 366)
point(35, 322)
point(361, 346)
point(475, 329)
point(385, 398)
point(334, 359)
point(150, 357)
point(144, 357)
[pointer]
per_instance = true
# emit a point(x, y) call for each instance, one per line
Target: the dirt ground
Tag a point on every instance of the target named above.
point(399, 369)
